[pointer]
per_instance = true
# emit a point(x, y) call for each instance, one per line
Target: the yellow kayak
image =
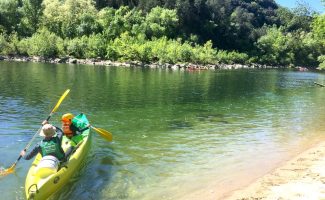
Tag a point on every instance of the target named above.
point(41, 183)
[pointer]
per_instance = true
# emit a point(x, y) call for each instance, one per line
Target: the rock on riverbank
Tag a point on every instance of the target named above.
point(184, 66)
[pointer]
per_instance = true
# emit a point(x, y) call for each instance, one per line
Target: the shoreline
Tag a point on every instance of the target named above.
point(302, 177)
point(299, 175)
point(156, 65)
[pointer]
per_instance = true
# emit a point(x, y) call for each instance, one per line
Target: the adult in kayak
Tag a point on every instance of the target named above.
point(49, 146)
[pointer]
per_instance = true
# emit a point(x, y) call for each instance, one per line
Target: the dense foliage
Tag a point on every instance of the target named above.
point(178, 31)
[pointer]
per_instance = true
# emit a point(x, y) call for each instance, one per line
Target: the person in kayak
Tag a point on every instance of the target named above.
point(70, 130)
point(49, 146)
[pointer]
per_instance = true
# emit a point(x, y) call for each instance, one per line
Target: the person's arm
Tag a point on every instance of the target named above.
point(59, 132)
point(32, 153)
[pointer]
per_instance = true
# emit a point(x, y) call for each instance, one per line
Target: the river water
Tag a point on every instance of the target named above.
point(175, 132)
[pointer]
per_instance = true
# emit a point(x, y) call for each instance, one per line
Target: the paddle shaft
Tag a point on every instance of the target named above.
point(33, 138)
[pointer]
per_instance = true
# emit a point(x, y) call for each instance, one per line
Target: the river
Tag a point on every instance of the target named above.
point(175, 132)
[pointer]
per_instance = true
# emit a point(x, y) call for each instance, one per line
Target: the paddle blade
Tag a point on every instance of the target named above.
point(10, 170)
point(105, 134)
point(60, 100)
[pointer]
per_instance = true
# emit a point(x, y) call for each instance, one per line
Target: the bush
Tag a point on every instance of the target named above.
point(96, 46)
point(9, 44)
point(321, 59)
point(205, 54)
point(232, 57)
point(76, 47)
point(43, 43)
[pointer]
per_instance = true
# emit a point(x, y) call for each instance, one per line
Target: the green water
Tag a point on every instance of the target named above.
point(175, 132)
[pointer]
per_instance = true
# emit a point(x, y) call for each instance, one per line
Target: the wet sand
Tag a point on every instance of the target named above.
point(299, 178)
point(302, 177)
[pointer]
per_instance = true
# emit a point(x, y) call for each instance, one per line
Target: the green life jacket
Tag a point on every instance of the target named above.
point(78, 125)
point(52, 147)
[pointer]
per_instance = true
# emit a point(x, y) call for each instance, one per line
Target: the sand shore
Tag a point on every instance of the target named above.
point(302, 177)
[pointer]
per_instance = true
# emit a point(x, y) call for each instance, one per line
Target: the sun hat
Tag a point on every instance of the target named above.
point(47, 130)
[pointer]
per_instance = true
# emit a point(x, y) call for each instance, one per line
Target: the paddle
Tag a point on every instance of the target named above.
point(105, 134)
point(12, 168)
point(102, 132)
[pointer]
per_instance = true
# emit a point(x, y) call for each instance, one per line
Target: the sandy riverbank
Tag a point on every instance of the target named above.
point(299, 178)
point(302, 177)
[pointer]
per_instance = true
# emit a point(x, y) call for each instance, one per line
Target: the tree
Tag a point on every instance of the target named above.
point(275, 47)
point(298, 19)
point(241, 27)
point(318, 27)
point(9, 16)
point(161, 22)
point(32, 11)
point(53, 16)
point(70, 18)
point(116, 22)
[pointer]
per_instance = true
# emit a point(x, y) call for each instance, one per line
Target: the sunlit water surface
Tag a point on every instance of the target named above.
point(175, 132)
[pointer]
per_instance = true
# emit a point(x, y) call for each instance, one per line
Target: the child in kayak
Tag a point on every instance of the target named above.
point(71, 130)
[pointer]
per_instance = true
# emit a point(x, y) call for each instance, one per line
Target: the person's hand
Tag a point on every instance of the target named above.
point(45, 122)
point(22, 153)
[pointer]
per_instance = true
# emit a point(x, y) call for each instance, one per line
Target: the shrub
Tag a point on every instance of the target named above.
point(76, 47)
point(43, 43)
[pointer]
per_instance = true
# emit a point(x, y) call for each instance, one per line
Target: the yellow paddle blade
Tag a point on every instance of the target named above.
point(60, 100)
point(105, 134)
point(102, 132)
point(10, 170)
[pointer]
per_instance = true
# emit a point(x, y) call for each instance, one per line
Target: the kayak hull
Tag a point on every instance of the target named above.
point(40, 187)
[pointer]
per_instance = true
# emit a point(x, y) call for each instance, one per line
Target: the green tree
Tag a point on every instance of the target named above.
point(298, 19)
point(306, 49)
point(32, 11)
point(53, 16)
point(9, 16)
point(161, 22)
point(70, 18)
point(116, 22)
point(318, 27)
point(276, 48)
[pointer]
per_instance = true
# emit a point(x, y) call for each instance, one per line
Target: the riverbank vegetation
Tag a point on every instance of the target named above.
point(164, 31)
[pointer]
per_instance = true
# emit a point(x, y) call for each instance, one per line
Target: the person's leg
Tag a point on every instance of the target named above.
point(69, 152)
